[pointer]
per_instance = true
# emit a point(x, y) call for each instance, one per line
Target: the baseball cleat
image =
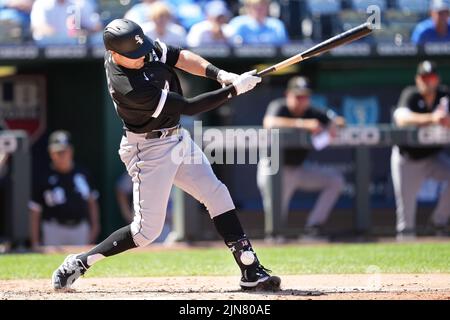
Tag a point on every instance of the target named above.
point(259, 279)
point(69, 271)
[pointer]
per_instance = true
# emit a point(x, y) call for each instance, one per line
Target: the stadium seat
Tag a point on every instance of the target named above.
point(415, 6)
point(320, 7)
point(402, 23)
point(362, 5)
point(10, 32)
point(360, 110)
point(351, 19)
point(110, 10)
point(324, 14)
point(392, 33)
point(189, 12)
point(292, 13)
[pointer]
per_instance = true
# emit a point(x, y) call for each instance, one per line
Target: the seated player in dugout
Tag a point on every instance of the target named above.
point(158, 153)
point(64, 208)
point(295, 111)
point(424, 104)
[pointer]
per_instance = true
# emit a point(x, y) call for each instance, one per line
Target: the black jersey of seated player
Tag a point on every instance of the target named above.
point(278, 108)
point(139, 94)
point(413, 100)
point(63, 196)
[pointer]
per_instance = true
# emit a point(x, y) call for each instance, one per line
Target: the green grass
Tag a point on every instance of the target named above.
point(337, 258)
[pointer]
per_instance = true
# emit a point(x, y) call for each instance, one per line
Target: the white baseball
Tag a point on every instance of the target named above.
point(247, 258)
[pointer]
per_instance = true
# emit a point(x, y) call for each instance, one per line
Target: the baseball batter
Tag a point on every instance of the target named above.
point(157, 152)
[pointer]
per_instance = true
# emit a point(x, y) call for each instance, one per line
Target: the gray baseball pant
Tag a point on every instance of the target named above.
point(154, 166)
point(55, 234)
point(308, 178)
point(408, 176)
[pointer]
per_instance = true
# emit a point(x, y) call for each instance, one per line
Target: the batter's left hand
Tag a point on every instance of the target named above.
point(225, 78)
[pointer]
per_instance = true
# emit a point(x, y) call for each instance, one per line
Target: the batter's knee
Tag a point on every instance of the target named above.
point(218, 200)
point(144, 234)
point(337, 182)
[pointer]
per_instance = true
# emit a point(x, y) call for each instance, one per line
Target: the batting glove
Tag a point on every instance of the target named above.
point(225, 78)
point(246, 82)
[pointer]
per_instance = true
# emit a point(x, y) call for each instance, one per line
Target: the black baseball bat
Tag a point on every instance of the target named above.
point(341, 39)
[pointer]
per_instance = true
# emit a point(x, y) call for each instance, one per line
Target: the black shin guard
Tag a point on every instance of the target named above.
point(229, 227)
point(119, 241)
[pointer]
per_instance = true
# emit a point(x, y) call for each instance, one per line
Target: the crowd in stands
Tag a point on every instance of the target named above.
point(210, 22)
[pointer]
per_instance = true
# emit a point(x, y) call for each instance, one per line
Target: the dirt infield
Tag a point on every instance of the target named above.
point(341, 287)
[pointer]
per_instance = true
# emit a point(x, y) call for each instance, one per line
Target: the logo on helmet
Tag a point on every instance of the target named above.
point(139, 39)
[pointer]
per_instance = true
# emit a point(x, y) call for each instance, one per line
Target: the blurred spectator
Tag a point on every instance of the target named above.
point(124, 195)
point(63, 21)
point(256, 27)
point(161, 26)
point(188, 12)
point(437, 27)
point(215, 29)
point(64, 206)
point(140, 12)
point(295, 111)
point(420, 105)
point(17, 11)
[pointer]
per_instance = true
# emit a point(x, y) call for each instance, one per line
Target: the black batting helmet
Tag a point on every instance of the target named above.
point(126, 38)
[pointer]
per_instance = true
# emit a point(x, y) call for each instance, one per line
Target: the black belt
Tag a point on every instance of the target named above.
point(160, 133)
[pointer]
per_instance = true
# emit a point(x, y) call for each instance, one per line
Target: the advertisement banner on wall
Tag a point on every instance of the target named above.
point(23, 104)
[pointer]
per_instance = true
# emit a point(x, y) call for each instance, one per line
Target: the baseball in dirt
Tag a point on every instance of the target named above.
point(247, 258)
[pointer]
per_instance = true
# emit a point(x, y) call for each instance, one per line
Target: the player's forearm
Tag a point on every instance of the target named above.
point(279, 122)
point(201, 103)
point(192, 63)
point(283, 122)
point(415, 119)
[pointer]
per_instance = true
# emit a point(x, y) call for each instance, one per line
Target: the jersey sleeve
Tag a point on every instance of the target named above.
point(166, 53)
point(275, 109)
point(176, 104)
point(404, 106)
point(321, 115)
point(164, 102)
point(90, 189)
point(405, 100)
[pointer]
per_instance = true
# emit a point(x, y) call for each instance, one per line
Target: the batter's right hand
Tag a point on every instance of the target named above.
point(246, 82)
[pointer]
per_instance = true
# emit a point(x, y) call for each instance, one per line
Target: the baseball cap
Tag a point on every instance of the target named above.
point(426, 67)
point(439, 5)
point(299, 85)
point(216, 8)
point(59, 140)
point(126, 38)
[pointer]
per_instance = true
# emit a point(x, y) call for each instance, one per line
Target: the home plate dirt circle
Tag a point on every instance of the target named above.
point(341, 287)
